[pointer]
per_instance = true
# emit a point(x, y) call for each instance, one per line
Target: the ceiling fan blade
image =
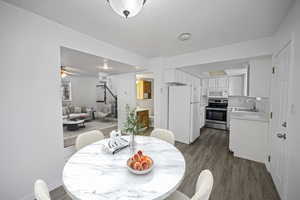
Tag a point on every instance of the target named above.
point(71, 73)
point(73, 69)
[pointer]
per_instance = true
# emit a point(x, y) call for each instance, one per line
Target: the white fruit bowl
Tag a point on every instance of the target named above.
point(137, 171)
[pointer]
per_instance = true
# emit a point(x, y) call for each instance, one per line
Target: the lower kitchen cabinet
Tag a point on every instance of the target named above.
point(202, 117)
point(143, 118)
point(248, 139)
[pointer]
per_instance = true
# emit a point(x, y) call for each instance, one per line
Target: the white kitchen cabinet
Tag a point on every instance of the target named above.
point(212, 83)
point(221, 83)
point(248, 139)
point(202, 116)
point(204, 88)
point(170, 76)
point(177, 76)
point(205, 83)
point(236, 86)
point(260, 77)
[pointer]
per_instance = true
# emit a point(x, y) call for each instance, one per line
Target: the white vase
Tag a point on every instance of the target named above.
point(132, 143)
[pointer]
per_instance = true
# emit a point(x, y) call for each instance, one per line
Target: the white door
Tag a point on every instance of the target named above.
point(279, 108)
point(180, 112)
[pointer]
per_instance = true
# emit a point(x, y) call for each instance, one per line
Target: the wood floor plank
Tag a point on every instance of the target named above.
point(234, 178)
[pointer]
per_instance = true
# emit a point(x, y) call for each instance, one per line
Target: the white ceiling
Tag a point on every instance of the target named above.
point(145, 76)
point(154, 31)
point(87, 64)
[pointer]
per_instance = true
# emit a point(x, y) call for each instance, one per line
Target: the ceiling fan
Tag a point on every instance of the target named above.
point(69, 71)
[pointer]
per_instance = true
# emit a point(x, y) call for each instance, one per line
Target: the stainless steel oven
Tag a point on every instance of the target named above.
point(216, 113)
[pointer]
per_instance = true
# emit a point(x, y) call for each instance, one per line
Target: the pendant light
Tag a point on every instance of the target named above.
point(127, 8)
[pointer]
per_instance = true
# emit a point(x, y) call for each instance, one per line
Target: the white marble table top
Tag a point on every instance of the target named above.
point(92, 174)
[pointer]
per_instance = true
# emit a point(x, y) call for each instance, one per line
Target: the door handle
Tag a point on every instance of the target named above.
point(284, 124)
point(281, 136)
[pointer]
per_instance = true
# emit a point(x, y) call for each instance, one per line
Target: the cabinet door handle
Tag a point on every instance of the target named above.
point(284, 124)
point(281, 136)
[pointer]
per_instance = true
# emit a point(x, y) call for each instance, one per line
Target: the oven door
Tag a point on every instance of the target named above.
point(218, 115)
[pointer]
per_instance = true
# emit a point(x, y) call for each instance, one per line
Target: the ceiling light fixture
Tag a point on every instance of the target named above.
point(184, 36)
point(63, 74)
point(127, 8)
point(105, 66)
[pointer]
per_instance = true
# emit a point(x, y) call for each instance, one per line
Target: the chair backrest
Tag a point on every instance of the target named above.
point(164, 134)
point(41, 190)
point(204, 185)
point(87, 138)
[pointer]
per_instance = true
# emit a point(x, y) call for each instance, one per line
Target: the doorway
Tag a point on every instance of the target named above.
point(145, 100)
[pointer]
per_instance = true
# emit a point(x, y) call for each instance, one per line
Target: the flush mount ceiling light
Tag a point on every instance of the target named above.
point(184, 36)
point(217, 73)
point(127, 8)
point(105, 66)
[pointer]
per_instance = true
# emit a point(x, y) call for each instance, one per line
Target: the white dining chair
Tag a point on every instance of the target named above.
point(202, 191)
point(87, 138)
point(164, 134)
point(41, 190)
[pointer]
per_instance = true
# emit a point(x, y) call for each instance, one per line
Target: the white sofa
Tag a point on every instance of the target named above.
point(77, 112)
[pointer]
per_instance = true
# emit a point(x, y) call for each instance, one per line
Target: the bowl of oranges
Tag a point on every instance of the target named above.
point(140, 163)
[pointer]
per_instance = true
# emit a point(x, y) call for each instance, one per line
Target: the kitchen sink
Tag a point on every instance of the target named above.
point(243, 110)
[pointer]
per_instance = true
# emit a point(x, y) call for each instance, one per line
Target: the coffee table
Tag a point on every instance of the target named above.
point(73, 125)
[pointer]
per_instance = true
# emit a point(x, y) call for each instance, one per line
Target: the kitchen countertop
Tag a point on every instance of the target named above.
point(141, 109)
point(248, 115)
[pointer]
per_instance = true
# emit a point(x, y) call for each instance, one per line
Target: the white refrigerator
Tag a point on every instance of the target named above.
point(184, 113)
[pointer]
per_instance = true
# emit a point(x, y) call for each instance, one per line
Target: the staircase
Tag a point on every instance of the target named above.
point(105, 93)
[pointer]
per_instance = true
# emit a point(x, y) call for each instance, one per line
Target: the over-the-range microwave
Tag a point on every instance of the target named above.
point(218, 93)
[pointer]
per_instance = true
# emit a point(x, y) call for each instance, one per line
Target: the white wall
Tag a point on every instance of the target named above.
point(290, 29)
point(84, 91)
point(260, 77)
point(126, 92)
point(31, 125)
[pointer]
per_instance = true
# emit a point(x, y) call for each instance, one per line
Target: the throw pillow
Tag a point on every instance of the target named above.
point(77, 109)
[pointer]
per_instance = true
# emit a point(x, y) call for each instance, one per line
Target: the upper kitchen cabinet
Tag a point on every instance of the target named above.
point(174, 76)
point(212, 83)
point(218, 83)
point(204, 88)
point(236, 86)
point(222, 83)
point(260, 73)
point(143, 89)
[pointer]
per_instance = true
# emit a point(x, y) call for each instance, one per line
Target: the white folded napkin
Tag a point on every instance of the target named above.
point(114, 145)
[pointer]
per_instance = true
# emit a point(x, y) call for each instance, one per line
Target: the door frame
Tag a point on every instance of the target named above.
point(289, 42)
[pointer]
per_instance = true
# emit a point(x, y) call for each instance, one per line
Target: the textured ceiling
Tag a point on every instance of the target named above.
point(154, 31)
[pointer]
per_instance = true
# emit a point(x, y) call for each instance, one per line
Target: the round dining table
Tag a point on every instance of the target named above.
point(94, 174)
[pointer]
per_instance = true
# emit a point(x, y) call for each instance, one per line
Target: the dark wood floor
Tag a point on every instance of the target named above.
point(234, 178)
